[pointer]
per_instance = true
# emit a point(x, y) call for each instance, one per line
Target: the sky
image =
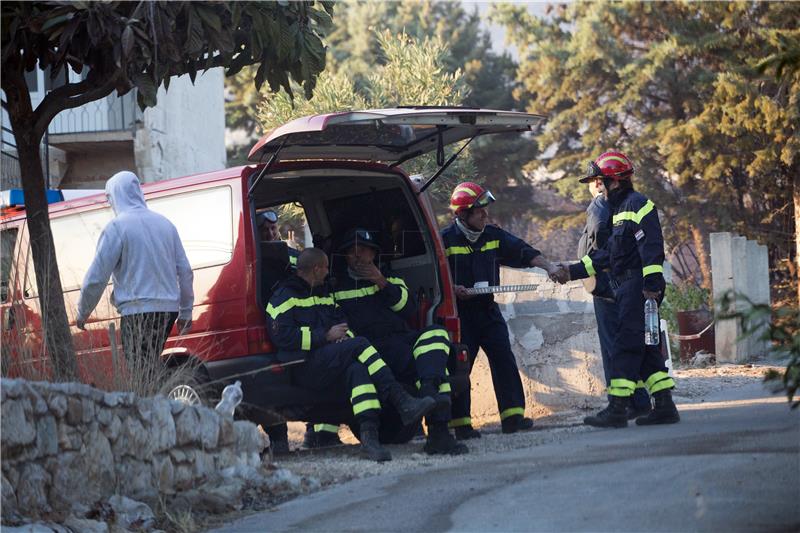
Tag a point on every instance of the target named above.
point(496, 31)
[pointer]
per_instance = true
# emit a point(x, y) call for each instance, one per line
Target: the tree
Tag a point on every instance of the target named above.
point(126, 45)
point(676, 85)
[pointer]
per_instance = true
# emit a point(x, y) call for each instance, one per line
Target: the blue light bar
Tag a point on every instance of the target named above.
point(16, 198)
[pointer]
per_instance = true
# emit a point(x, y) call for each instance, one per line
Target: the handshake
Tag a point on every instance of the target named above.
point(558, 272)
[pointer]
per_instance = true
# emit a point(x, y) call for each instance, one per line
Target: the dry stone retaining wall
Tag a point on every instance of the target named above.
point(67, 444)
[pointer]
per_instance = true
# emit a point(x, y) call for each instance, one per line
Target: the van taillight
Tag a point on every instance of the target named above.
point(463, 355)
point(453, 325)
point(257, 342)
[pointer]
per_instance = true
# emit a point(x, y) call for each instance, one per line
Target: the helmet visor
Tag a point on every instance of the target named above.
point(484, 199)
point(592, 172)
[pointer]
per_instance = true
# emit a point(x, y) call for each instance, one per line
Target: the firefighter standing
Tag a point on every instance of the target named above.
point(303, 317)
point(475, 251)
point(377, 307)
point(634, 255)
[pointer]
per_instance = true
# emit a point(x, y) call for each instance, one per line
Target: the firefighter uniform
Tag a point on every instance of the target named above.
point(482, 324)
point(634, 256)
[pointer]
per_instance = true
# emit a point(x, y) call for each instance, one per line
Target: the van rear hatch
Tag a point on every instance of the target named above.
point(389, 136)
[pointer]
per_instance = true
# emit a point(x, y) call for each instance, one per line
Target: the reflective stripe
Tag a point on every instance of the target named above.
point(640, 384)
point(311, 301)
point(369, 388)
point(350, 334)
point(490, 245)
point(374, 367)
point(466, 190)
point(431, 347)
point(635, 217)
point(668, 383)
point(511, 412)
point(621, 388)
point(587, 262)
point(652, 269)
point(305, 338)
point(457, 250)
point(356, 293)
point(613, 158)
point(445, 387)
point(292, 260)
point(460, 422)
point(654, 378)
point(330, 428)
point(365, 355)
point(659, 381)
point(401, 303)
point(366, 405)
point(433, 333)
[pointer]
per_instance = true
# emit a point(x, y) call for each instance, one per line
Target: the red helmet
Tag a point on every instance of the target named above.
point(467, 195)
point(613, 165)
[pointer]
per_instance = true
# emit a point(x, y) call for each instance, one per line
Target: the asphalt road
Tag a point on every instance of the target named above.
point(732, 464)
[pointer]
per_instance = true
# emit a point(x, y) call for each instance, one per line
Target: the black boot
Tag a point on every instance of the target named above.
point(410, 409)
point(440, 441)
point(431, 390)
point(320, 439)
point(613, 416)
point(635, 412)
point(515, 423)
point(467, 432)
point(665, 411)
point(370, 445)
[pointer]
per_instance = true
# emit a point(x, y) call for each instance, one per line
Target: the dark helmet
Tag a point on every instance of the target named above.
point(360, 237)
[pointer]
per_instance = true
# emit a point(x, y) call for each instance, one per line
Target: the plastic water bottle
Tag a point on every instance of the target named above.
point(651, 322)
point(231, 397)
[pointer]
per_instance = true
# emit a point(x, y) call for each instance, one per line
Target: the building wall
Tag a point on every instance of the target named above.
point(185, 133)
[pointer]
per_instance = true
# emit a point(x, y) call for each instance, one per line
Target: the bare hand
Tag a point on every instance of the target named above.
point(336, 333)
point(651, 294)
point(81, 324)
point(184, 326)
point(371, 273)
point(461, 293)
point(559, 273)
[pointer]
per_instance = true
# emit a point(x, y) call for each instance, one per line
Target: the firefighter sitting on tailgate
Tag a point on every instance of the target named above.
point(377, 307)
point(303, 317)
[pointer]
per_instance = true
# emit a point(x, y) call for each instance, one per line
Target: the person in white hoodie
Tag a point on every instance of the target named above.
point(142, 253)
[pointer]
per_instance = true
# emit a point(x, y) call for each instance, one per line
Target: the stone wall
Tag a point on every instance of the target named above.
point(68, 444)
point(554, 337)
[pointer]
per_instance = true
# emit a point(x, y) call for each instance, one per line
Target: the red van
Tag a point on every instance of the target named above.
point(338, 171)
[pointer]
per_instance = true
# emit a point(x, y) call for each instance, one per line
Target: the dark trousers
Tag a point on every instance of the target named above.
point(631, 359)
point(605, 311)
point(484, 327)
point(336, 367)
point(143, 338)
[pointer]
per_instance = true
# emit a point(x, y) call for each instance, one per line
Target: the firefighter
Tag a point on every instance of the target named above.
point(378, 307)
point(303, 317)
point(634, 256)
point(475, 251)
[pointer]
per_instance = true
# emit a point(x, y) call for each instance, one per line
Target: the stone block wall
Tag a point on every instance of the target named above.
point(67, 444)
point(553, 334)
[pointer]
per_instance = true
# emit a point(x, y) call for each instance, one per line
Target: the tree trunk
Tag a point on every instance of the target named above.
point(796, 198)
point(55, 326)
point(702, 257)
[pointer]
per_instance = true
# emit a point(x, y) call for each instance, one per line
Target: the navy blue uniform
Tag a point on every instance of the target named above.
point(634, 257)
point(482, 324)
point(381, 315)
point(299, 318)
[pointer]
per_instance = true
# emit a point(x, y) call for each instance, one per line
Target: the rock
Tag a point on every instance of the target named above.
point(162, 426)
point(84, 525)
point(248, 438)
point(163, 473)
point(37, 527)
point(87, 406)
point(68, 473)
point(131, 514)
point(100, 466)
point(114, 428)
point(703, 359)
point(187, 427)
point(57, 404)
point(134, 477)
point(176, 407)
point(209, 428)
point(68, 437)
point(212, 498)
point(39, 404)
point(104, 416)
point(184, 477)
point(202, 463)
point(46, 436)
point(177, 455)
point(111, 399)
point(227, 435)
point(32, 490)
point(133, 440)
point(9, 498)
point(74, 411)
point(13, 388)
point(16, 426)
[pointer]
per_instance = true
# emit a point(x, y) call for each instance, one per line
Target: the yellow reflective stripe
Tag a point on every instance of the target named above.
point(311, 301)
point(365, 355)
point(652, 269)
point(305, 338)
point(668, 383)
point(457, 250)
point(655, 378)
point(350, 334)
point(374, 367)
point(330, 428)
point(640, 384)
point(621, 387)
point(635, 217)
point(490, 245)
point(511, 412)
point(292, 260)
point(466, 190)
point(403, 300)
point(612, 158)
point(431, 347)
point(445, 387)
point(587, 262)
point(366, 405)
point(433, 333)
point(356, 293)
point(419, 384)
point(369, 388)
point(460, 422)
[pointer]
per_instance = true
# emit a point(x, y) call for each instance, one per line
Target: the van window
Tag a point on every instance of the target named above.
point(8, 240)
point(204, 221)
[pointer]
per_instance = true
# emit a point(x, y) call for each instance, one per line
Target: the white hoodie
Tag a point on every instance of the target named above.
point(143, 254)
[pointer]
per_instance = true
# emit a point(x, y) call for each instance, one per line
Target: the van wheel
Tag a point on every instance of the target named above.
point(185, 394)
point(193, 388)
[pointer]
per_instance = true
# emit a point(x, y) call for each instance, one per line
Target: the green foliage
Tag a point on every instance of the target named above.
point(782, 333)
point(684, 296)
point(676, 86)
point(412, 73)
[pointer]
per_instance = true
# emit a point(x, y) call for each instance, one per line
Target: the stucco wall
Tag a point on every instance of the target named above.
point(554, 337)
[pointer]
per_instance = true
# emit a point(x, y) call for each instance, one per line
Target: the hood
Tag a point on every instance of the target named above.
point(124, 192)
